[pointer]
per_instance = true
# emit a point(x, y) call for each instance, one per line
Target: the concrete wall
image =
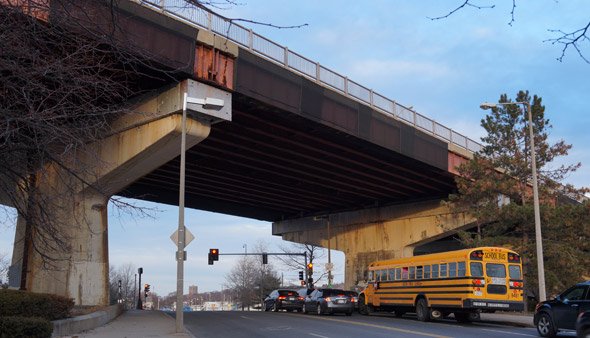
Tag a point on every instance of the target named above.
point(375, 234)
point(69, 326)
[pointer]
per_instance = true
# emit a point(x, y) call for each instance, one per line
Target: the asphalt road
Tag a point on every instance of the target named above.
point(296, 325)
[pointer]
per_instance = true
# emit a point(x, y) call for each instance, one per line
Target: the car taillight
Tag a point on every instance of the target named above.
point(353, 299)
point(299, 298)
point(282, 297)
point(328, 299)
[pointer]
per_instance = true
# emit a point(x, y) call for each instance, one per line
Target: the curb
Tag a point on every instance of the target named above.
point(69, 326)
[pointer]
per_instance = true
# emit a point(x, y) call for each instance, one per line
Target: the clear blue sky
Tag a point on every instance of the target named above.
point(443, 68)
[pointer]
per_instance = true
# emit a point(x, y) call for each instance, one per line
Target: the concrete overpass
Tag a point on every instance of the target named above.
point(299, 141)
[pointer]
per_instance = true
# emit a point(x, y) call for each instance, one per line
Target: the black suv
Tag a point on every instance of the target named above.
point(561, 312)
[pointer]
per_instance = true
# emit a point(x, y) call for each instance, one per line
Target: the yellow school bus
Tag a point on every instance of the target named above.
point(463, 282)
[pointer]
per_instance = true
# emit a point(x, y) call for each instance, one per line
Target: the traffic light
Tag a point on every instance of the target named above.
point(146, 289)
point(210, 259)
point(300, 275)
point(309, 269)
point(264, 258)
point(214, 254)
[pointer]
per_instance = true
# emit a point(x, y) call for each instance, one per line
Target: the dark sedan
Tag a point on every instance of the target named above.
point(328, 301)
point(561, 312)
point(283, 299)
point(583, 325)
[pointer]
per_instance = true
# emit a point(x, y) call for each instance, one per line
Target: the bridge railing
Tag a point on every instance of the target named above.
point(195, 15)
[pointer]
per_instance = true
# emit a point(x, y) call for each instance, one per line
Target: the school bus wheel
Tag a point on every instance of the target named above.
point(422, 311)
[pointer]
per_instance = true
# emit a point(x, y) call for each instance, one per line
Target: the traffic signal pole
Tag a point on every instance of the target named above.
point(304, 254)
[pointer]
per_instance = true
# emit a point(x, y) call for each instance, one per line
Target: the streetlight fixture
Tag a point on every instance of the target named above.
point(207, 103)
point(538, 238)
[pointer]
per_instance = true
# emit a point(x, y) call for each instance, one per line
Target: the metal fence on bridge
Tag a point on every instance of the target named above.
point(195, 15)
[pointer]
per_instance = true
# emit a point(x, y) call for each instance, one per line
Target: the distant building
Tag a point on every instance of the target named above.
point(193, 290)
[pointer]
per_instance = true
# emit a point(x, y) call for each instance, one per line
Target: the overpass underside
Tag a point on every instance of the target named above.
point(294, 149)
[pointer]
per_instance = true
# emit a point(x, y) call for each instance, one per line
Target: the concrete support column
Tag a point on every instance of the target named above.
point(79, 268)
point(366, 236)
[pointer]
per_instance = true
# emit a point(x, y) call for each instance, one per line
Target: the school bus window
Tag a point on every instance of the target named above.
point(398, 274)
point(443, 270)
point(434, 270)
point(453, 269)
point(391, 274)
point(514, 271)
point(419, 272)
point(461, 269)
point(412, 272)
point(495, 270)
point(383, 275)
point(426, 271)
point(371, 276)
point(405, 273)
point(476, 269)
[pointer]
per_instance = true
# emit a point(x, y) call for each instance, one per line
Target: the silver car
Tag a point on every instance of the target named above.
point(328, 301)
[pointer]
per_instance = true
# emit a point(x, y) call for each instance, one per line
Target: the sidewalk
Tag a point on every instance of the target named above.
point(509, 318)
point(137, 324)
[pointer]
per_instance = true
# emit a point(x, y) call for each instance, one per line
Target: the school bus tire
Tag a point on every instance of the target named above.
point(362, 305)
point(422, 310)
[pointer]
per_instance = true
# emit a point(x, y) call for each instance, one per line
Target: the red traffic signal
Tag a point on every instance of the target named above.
point(214, 254)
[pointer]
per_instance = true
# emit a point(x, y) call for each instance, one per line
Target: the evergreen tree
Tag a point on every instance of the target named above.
point(494, 188)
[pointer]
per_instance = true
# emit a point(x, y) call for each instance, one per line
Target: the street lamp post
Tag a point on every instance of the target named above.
point(329, 265)
point(538, 237)
point(207, 103)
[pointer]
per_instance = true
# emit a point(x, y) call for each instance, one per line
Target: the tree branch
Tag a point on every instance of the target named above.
point(572, 39)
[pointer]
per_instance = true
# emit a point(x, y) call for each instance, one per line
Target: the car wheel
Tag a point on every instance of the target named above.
point(319, 309)
point(304, 309)
point(422, 310)
point(545, 326)
point(275, 307)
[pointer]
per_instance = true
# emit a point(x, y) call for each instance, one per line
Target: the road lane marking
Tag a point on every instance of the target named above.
point(381, 327)
point(514, 333)
point(317, 335)
point(247, 318)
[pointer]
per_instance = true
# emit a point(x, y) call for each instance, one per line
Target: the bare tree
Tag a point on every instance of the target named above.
point(576, 39)
point(4, 263)
point(314, 253)
point(242, 279)
point(126, 275)
point(250, 279)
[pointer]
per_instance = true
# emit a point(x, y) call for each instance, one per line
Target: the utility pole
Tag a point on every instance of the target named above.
point(139, 272)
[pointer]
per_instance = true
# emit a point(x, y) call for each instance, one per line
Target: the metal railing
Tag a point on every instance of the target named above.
point(197, 16)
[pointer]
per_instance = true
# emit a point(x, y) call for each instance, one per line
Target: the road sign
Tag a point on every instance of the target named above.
point(329, 266)
point(188, 237)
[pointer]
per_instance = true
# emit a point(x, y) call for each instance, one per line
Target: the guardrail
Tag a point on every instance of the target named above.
point(194, 15)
